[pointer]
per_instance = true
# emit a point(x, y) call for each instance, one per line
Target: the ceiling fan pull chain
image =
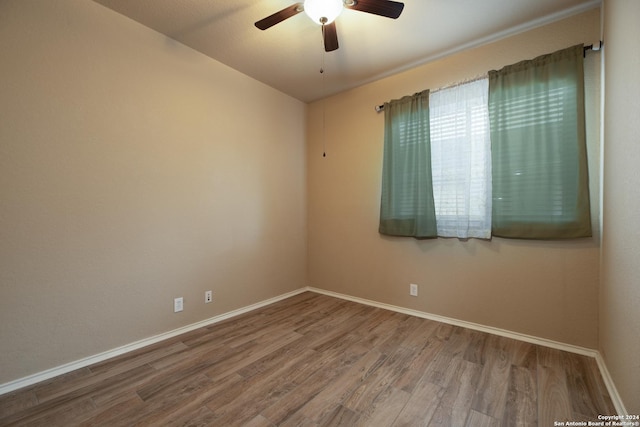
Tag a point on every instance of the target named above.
point(322, 57)
point(324, 140)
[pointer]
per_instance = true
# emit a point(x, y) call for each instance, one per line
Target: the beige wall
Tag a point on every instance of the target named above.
point(620, 289)
point(545, 289)
point(134, 170)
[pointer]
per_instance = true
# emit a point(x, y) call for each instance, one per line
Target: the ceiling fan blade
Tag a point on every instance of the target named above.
point(330, 35)
point(387, 8)
point(280, 16)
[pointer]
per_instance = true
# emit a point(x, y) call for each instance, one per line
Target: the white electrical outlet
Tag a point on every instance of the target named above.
point(178, 304)
point(208, 297)
point(413, 290)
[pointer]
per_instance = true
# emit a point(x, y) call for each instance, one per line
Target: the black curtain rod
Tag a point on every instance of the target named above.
point(597, 47)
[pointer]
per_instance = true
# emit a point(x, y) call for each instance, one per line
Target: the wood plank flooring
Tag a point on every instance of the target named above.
point(314, 360)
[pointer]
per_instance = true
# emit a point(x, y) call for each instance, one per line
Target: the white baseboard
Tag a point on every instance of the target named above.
point(462, 323)
point(82, 363)
point(613, 392)
point(611, 387)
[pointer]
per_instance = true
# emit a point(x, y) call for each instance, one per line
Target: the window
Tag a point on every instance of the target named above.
point(503, 156)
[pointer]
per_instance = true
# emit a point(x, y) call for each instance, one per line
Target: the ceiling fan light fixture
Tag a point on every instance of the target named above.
point(323, 11)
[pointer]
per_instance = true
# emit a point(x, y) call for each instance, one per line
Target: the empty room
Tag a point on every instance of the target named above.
point(265, 213)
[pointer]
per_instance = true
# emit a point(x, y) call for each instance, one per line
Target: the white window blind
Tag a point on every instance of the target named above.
point(547, 183)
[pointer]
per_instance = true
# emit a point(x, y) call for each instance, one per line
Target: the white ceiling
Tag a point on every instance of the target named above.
point(289, 55)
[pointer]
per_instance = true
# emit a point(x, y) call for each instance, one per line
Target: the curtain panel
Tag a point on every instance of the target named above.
point(461, 159)
point(407, 206)
point(539, 156)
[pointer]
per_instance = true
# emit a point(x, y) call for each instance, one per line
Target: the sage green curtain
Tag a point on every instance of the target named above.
point(407, 207)
point(539, 158)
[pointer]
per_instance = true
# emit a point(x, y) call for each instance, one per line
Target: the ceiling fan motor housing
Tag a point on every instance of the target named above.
point(323, 11)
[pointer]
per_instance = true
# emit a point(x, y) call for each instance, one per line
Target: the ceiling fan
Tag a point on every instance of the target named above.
point(324, 12)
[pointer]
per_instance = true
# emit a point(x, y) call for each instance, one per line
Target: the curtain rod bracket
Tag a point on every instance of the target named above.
point(594, 47)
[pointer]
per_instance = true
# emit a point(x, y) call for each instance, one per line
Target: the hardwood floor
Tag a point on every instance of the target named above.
point(314, 360)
